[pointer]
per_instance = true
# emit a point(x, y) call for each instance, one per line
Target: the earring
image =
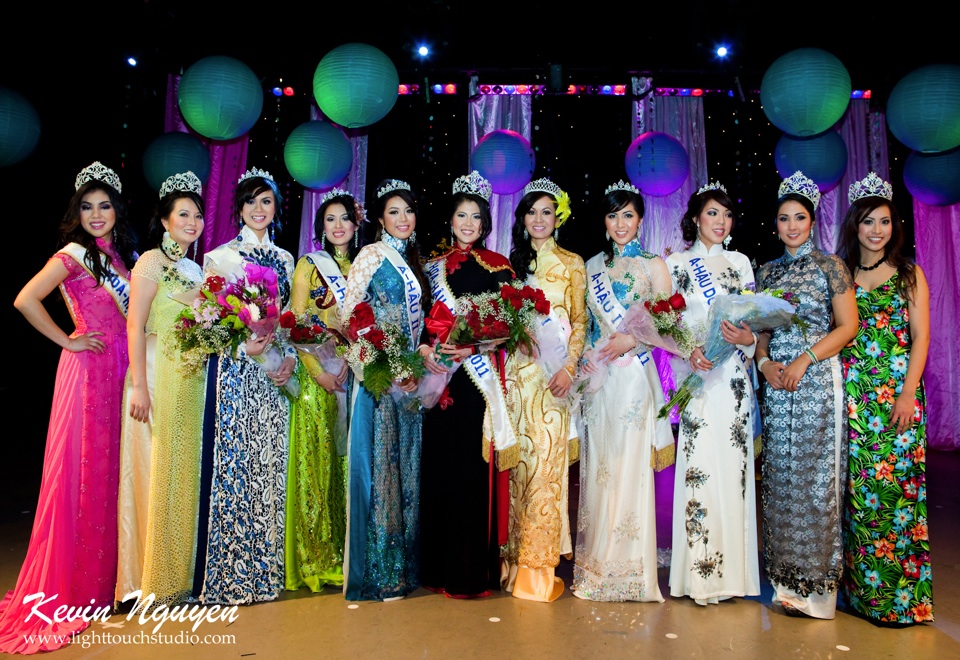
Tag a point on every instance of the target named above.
point(271, 232)
point(413, 235)
point(526, 236)
point(194, 257)
point(726, 241)
point(323, 241)
point(356, 237)
point(453, 237)
point(556, 233)
point(607, 235)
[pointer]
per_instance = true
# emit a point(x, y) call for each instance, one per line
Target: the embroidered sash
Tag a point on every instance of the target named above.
point(478, 367)
point(114, 283)
point(412, 288)
point(330, 271)
point(603, 300)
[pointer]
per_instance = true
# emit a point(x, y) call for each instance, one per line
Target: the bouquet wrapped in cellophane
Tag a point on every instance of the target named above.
point(766, 310)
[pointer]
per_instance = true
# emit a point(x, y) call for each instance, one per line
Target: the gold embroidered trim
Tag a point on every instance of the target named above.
point(661, 459)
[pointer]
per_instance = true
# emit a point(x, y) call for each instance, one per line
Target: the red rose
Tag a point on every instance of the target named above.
point(542, 306)
point(677, 301)
point(214, 284)
point(445, 399)
point(648, 305)
point(295, 335)
point(288, 320)
point(517, 303)
point(661, 307)
point(507, 292)
point(376, 337)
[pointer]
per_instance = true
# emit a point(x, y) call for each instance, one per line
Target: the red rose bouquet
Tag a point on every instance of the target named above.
point(380, 352)
point(523, 305)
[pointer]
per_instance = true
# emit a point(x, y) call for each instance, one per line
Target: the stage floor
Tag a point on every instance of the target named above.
point(427, 625)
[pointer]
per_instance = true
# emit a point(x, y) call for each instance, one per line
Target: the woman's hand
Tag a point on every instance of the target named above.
point(328, 381)
point(618, 344)
point(732, 334)
point(283, 374)
point(407, 384)
point(588, 364)
point(793, 373)
point(430, 360)
point(560, 384)
point(140, 403)
point(259, 345)
point(901, 415)
point(773, 372)
point(87, 342)
point(699, 362)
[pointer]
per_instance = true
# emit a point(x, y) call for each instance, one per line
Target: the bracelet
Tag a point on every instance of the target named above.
point(762, 361)
point(812, 355)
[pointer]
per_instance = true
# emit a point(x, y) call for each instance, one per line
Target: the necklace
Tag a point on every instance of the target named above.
point(866, 268)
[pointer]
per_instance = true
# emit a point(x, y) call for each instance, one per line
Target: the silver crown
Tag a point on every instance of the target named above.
point(870, 186)
point(185, 181)
point(621, 185)
point(357, 204)
point(392, 185)
point(473, 184)
point(543, 185)
point(100, 172)
point(801, 185)
point(711, 186)
point(255, 172)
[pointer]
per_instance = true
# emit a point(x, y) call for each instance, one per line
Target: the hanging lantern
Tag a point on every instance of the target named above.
point(933, 178)
point(220, 97)
point(822, 157)
point(173, 153)
point(657, 163)
point(318, 155)
point(805, 92)
point(356, 85)
point(19, 127)
point(923, 110)
point(505, 159)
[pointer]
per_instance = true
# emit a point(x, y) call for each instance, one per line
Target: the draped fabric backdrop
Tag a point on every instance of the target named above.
point(680, 117)
point(488, 113)
point(228, 162)
point(355, 184)
point(938, 253)
point(865, 134)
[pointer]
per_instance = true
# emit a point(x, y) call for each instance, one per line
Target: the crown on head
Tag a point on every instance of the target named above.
point(100, 172)
point(870, 186)
point(548, 186)
point(801, 185)
point(473, 184)
point(392, 185)
point(711, 186)
point(252, 172)
point(621, 185)
point(340, 192)
point(186, 181)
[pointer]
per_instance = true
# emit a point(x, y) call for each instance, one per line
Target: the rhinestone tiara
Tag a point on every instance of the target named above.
point(870, 186)
point(392, 185)
point(801, 185)
point(621, 185)
point(357, 204)
point(100, 172)
point(716, 185)
point(543, 185)
point(185, 181)
point(255, 172)
point(473, 184)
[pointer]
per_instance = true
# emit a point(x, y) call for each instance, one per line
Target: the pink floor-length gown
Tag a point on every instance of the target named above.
point(73, 545)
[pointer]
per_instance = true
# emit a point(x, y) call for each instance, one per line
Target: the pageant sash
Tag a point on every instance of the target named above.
point(552, 338)
point(330, 272)
point(114, 283)
point(603, 301)
point(412, 288)
point(704, 288)
point(478, 367)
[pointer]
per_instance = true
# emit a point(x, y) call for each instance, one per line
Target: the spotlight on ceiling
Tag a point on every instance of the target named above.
point(132, 61)
point(722, 52)
point(423, 51)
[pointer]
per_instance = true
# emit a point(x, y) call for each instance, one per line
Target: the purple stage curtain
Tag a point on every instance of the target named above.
point(938, 252)
point(228, 161)
point(865, 134)
point(355, 184)
point(493, 112)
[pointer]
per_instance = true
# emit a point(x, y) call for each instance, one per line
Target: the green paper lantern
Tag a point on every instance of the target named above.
point(220, 97)
point(19, 127)
point(805, 92)
point(923, 110)
point(822, 157)
point(318, 155)
point(173, 153)
point(933, 179)
point(355, 85)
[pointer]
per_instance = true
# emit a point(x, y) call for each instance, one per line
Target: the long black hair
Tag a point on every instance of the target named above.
point(249, 189)
point(72, 231)
point(164, 208)
point(695, 206)
point(523, 257)
point(615, 201)
point(350, 205)
point(412, 256)
point(849, 243)
point(486, 222)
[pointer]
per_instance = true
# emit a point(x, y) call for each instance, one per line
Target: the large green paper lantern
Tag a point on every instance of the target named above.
point(220, 97)
point(19, 127)
point(933, 178)
point(505, 159)
point(355, 85)
point(822, 157)
point(173, 153)
point(805, 91)
point(657, 163)
point(923, 110)
point(318, 155)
